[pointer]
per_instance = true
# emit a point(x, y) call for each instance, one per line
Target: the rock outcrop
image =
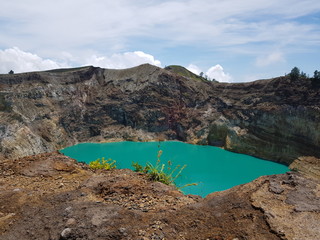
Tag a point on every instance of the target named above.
point(50, 196)
point(276, 119)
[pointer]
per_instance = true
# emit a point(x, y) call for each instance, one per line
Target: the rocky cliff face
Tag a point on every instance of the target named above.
point(276, 119)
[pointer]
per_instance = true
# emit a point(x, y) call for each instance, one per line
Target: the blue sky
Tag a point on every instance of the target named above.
point(229, 40)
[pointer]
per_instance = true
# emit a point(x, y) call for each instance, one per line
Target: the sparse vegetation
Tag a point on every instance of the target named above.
point(316, 79)
point(160, 171)
point(186, 73)
point(316, 75)
point(295, 74)
point(103, 164)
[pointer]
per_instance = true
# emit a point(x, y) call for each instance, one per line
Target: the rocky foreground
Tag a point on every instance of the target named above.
point(50, 196)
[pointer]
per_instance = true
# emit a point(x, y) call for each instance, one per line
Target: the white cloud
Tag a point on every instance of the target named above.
point(190, 30)
point(124, 60)
point(20, 61)
point(216, 72)
point(193, 68)
point(122, 22)
point(272, 58)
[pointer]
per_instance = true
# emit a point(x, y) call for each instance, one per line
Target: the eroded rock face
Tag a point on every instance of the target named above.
point(275, 119)
point(50, 196)
point(294, 201)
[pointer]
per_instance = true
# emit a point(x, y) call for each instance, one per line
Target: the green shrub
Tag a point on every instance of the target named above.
point(139, 168)
point(103, 164)
point(160, 172)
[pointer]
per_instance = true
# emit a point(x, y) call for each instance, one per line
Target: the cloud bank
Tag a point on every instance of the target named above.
point(117, 24)
point(177, 32)
point(20, 61)
point(124, 60)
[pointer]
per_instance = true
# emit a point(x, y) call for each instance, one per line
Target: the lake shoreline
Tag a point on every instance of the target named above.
point(213, 168)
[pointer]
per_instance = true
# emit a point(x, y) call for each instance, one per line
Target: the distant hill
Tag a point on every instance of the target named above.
point(182, 71)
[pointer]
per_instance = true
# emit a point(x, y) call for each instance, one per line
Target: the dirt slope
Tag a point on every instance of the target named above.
point(50, 196)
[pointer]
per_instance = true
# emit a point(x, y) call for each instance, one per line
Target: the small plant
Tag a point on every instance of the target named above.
point(139, 168)
point(160, 172)
point(103, 164)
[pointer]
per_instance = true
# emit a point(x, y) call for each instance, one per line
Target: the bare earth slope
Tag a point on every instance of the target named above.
point(49, 196)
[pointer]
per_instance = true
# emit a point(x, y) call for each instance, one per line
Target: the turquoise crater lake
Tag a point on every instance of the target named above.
point(212, 168)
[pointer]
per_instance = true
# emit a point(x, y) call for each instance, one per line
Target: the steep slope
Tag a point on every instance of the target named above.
point(181, 71)
point(276, 119)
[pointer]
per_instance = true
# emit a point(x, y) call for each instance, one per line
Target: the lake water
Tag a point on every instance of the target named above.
point(212, 168)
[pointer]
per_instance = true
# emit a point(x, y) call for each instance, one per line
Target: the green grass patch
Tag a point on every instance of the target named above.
point(103, 164)
point(161, 172)
point(179, 70)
